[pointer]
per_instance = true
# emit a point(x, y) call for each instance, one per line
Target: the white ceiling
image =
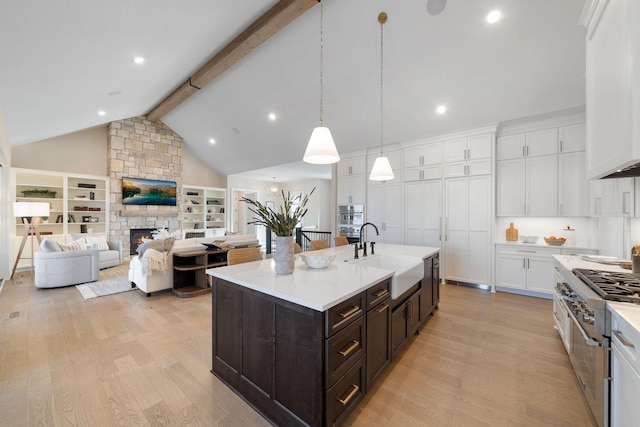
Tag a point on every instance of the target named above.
point(61, 61)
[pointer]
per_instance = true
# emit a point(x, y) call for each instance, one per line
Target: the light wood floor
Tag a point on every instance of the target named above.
point(125, 359)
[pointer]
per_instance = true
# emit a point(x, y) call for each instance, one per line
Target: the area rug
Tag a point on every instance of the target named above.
point(105, 287)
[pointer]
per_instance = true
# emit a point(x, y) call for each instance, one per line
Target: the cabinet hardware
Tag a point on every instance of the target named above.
point(382, 308)
point(440, 229)
point(527, 150)
point(380, 293)
point(354, 309)
point(524, 263)
point(347, 351)
point(528, 264)
point(527, 251)
point(623, 340)
point(445, 230)
point(524, 153)
point(561, 146)
point(409, 310)
point(350, 396)
point(350, 170)
point(466, 154)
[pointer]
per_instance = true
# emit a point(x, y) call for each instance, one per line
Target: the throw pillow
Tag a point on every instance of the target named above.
point(99, 242)
point(76, 245)
point(50, 245)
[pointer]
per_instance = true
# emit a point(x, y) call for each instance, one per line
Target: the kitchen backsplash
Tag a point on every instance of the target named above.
point(586, 229)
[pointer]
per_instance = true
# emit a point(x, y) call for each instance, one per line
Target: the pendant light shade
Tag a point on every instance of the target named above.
point(381, 170)
point(381, 167)
point(321, 149)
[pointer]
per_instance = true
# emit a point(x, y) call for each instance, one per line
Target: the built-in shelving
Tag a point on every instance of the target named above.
point(203, 210)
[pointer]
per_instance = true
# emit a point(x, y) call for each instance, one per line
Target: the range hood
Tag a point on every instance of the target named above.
point(627, 172)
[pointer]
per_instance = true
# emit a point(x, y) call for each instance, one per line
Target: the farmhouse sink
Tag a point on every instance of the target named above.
point(407, 270)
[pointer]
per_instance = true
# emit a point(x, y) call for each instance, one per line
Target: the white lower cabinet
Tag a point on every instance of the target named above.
point(625, 373)
point(529, 268)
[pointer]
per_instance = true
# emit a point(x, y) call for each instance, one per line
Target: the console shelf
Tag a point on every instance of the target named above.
point(189, 271)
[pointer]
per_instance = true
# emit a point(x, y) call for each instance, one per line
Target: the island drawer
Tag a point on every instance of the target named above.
point(345, 394)
point(378, 293)
point(341, 315)
point(344, 349)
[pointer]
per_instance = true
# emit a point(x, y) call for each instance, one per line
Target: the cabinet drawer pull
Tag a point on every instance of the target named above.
point(349, 312)
point(382, 308)
point(354, 345)
point(623, 340)
point(380, 293)
point(350, 396)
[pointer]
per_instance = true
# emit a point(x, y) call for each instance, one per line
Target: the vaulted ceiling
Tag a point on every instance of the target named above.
point(62, 61)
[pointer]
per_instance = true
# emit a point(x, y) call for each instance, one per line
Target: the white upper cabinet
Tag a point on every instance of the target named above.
point(352, 166)
point(511, 147)
point(572, 138)
point(542, 142)
point(612, 85)
point(423, 162)
point(468, 156)
point(573, 185)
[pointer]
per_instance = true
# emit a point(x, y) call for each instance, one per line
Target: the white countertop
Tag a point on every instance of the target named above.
point(571, 261)
point(542, 244)
point(318, 289)
point(628, 311)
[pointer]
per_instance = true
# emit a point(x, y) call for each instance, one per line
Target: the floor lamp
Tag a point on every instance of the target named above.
point(31, 213)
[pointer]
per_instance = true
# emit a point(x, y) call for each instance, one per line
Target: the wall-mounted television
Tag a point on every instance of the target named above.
point(140, 191)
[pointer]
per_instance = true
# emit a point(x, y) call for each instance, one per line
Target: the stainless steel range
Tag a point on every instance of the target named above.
point(583, 321)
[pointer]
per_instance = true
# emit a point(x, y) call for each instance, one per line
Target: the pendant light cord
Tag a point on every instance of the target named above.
point(382, 21)
point(321, 64)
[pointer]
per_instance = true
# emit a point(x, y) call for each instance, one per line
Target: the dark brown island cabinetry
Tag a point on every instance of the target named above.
point(298, 366)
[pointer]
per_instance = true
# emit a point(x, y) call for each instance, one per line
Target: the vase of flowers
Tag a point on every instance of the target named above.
point(282, 223)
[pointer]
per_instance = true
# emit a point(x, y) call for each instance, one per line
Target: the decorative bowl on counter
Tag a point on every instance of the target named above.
point(555, 241)
point(317, 261)
point(528, 239)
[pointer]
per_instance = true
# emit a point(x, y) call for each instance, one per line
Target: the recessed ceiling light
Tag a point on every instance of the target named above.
point(102, 113)
point(212, 141)
point(272, 116)
point(138, 59)
point(441, 109)
point(493, 17)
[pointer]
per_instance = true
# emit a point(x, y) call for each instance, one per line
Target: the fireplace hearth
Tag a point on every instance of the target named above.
point(136, 238)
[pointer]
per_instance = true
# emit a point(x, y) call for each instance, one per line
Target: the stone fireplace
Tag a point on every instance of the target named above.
point(137, 147)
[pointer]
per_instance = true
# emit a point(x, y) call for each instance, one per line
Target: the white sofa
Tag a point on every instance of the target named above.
point(161, 280)
point(108, 258)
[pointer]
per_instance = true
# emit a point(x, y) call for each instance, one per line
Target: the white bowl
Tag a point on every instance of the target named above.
point(528, 239)
point(317, 261)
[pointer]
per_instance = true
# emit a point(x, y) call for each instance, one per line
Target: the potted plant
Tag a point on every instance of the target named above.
point(281, 223)
point(49, 194)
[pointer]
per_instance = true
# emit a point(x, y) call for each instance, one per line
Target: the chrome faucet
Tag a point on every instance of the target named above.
point(365, 243)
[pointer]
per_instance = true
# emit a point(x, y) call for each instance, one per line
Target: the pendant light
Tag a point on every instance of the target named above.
point(381, 167)
point(321, 149)
point(274, 188)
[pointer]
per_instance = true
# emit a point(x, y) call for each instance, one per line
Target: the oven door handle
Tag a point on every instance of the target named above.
point(587, 339)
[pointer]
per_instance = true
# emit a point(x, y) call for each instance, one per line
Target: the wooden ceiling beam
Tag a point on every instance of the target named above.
point(275, 19)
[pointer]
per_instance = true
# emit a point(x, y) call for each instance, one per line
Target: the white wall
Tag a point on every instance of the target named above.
point(6, 209)
point(79, 152)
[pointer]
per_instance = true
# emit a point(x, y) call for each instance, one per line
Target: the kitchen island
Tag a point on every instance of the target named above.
point(304, 348)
